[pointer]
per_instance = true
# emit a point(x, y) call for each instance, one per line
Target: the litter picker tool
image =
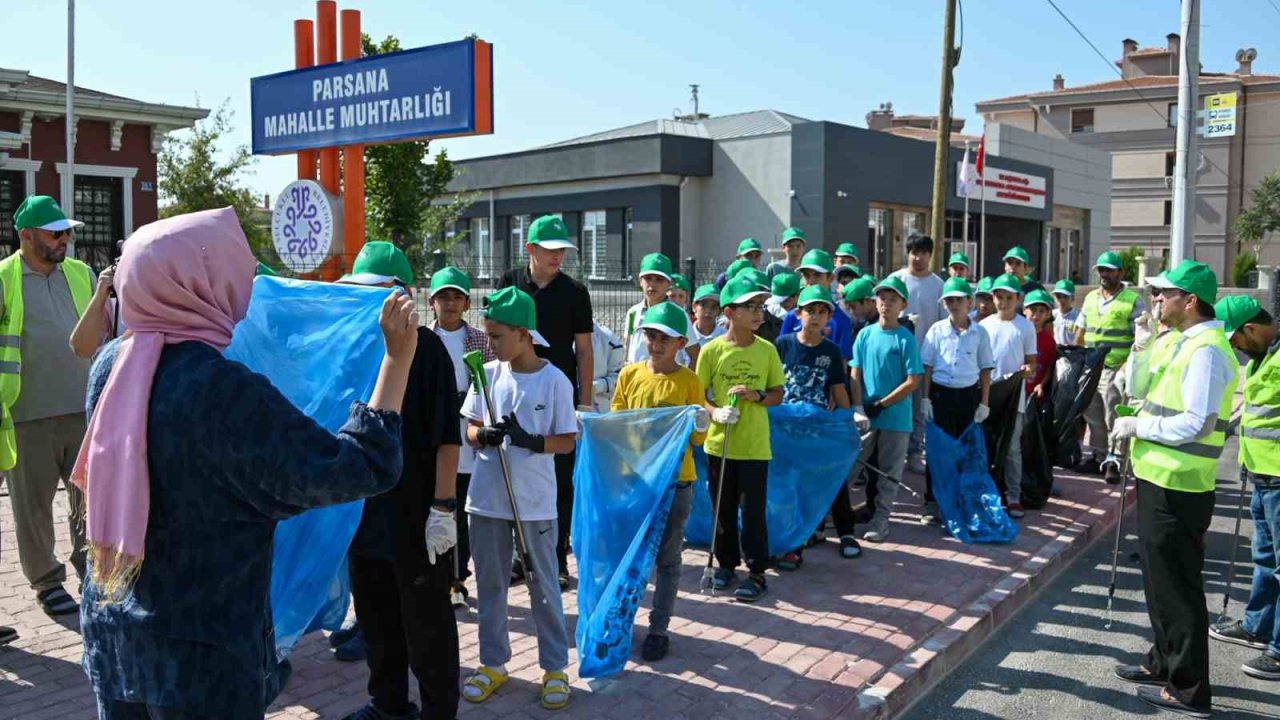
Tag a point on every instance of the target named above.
point(1235, 546)
point(1121, 411)
point(885, 475)
point(709, 572)
point(474, 361)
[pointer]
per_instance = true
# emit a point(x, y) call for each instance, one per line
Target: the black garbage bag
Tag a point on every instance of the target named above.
point(1078, 371)
point(998, 427)
point(1037, 470)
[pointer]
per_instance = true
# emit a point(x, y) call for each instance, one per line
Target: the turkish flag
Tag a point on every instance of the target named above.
point(982, 155)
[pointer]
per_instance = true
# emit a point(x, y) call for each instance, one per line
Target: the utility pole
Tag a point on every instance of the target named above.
point(942, 153)
point(1182, 224)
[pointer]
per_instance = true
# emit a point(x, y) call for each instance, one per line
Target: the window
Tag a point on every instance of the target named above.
point(482, 248)
point(628, 220)
point(1082, 120)
point(1173, 114)
point(593, 248)
point(99, 204)
point(1170, 162)
point(1168, 213)
point(519, 230)
point(12, 191)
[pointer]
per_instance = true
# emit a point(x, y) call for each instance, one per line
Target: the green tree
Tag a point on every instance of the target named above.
point(1129, 263)
point(1263, 215)
point(195, 175)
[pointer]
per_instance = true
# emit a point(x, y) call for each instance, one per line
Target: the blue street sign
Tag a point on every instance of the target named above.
point(413, 94)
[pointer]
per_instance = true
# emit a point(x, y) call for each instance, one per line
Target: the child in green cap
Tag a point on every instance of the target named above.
point(655, 281)
point(1013, 344)
point(708, 321)
point(1065, 315)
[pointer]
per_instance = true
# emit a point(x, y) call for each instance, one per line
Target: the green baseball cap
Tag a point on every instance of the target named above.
point(656, 264)
point(894, 283)
point(1235, 311)
point(847, 250)
point(42, 212)
point(1017, 253)
point(784, 285)
point(1038, 297)
point(740, 290)
point(749, 245)
point(861, 289)
point(818, 260)
point(667, 318)
point(984, 286)
point(549, 232)
point(757, 276)
point(264, 269)
point(680, 282)
point(448, 278)
point(1109, 259)
point(956, 287)
point(513, 306)
point(736, 267)
point(1007, 282)
point(815, 294)
point(1191, 277)
point(706, 291)
point(1064, 287)
point(791, 233)
point(379, 262)
point(958, 258)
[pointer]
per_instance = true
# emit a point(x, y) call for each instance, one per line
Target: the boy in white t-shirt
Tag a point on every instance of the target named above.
point(655, 280)
point(1013, 344)
point(1065, 317)
point(706, 324)
point(535, 420)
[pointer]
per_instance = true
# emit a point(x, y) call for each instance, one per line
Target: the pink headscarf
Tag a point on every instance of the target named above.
point(184, 278)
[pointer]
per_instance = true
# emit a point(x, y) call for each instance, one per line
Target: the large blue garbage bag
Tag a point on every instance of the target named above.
point(320, 345)
point(813, 451)
point(967, 497)
point(624, 482)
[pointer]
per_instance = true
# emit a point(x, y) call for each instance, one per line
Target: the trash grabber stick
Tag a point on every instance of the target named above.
point(474, 361)
point(1115, 549)
point(708, 573)
point(1235, 546)
point(883, 474)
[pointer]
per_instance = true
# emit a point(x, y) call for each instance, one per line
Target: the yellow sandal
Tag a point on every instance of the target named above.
point(485, 681)
point(555, 683)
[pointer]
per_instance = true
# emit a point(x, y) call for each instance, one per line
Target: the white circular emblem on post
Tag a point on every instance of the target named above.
point(302, 225)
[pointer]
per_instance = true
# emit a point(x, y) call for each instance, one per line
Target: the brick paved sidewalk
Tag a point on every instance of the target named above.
point(838, 638)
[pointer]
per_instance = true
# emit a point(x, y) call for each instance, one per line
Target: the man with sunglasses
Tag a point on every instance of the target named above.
point(42, 391)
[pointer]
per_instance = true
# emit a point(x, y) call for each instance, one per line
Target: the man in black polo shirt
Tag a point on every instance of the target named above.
point(564, 321)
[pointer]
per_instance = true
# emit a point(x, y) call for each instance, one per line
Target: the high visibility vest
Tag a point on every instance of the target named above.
point(1146, 365)
point(1188, 467)
point(1260, 419)
point(1110, 326)
point(80, 282)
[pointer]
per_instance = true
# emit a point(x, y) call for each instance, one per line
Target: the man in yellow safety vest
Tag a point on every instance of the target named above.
point(42, 391)
point(1178, 436)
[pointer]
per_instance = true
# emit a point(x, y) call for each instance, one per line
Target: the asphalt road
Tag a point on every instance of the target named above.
point(1055, 658)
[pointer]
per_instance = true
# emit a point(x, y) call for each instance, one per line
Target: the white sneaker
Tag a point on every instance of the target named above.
point(915, 464)
point(877, 530)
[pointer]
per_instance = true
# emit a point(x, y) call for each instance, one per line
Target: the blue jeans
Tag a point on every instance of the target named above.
point(1264, 599)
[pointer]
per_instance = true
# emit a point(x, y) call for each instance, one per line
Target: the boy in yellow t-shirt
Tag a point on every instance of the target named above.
point(739, 364)
point(659, 381)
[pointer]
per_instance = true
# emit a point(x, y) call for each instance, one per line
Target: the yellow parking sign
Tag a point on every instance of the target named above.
point(1220, 115)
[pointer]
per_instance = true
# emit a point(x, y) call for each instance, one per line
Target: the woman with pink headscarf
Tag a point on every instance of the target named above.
point(189, 462)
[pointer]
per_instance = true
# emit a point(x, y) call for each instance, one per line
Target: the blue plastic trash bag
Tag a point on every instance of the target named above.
point(623, 483)
point(320, 345)
point(813, 451)
point(971, 506)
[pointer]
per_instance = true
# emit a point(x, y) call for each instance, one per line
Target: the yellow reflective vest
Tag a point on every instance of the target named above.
point(1111, 326)
point(1260, 419)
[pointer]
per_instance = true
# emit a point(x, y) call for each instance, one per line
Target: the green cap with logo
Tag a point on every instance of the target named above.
point(1064, 287)
point(792, 233)
point(706, 291)
point(379, 262)
point(656, 264)
point(784, 285)
point(740, 290)
point(749, 245)
point(958, 258)
point(1017, 253)
point(1008, 282)
point(264, 269)
point(757, 276)
point(450, 278)
point(549, 232)
point(1190, 277)
point(894, 283)
point(817, 260)
point(847, 250)
point(815, 294)
point(680, 282)
point(1235, 311)
point(736, 267)
point(956, 287)
point(42, 212)
point(513, 306)
point(667, 318)
point(1038, 297)
point(984, 286)
point(1110, 260)
point(861, 289)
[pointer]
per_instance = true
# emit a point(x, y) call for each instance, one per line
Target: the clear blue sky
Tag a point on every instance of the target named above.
point(566, 68)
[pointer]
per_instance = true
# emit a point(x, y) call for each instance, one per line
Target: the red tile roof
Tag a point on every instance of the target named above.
point(926, 134)
point(1141, 82)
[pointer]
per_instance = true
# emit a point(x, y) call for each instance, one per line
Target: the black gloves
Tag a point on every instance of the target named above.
point(491, 436)
point(521, 438)
point(873, 409)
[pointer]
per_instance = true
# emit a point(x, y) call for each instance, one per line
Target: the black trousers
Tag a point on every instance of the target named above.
point(564, 506)
point(408, 624)
point(953, 410)
point(842, 511)
point(1171, 536)
point(746, 484)
point(463, 549)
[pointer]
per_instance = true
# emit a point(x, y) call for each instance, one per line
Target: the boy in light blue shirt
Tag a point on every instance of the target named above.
point(886, 371)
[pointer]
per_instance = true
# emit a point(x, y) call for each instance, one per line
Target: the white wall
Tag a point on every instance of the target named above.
point(745, 196)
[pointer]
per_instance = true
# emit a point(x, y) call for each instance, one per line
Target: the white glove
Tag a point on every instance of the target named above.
point(727, 415)
point(927, 406)
point(860, 419)
point(600, 386)
point(701, 420)
point(578, 416)
point(982, 413)
point(1124, 428)
point(442, 533)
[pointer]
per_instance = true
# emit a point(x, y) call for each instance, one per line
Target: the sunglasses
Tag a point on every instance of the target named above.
point(59, 233)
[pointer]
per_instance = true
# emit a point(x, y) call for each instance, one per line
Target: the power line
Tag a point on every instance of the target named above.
point(1274, 6)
